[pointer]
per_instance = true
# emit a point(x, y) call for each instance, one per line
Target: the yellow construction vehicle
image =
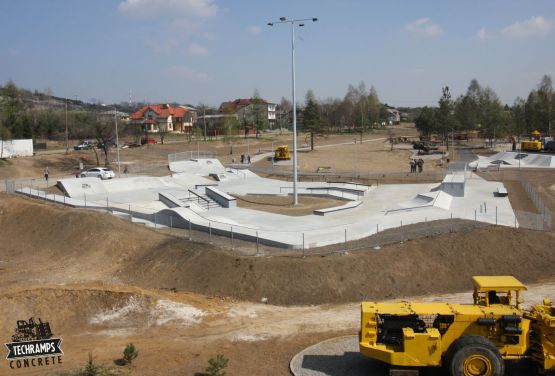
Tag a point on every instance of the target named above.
point(465, 339)
point(282, 153)
point(534, 144)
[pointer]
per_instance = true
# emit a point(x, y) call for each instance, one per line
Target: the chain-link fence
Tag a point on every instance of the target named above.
point(543, 220)
point(253, 241)
point(369, 178)
point(188, 155)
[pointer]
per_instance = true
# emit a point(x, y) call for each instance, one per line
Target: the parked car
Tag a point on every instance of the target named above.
point(98, 172)
point(148, 141)
point(84, 145)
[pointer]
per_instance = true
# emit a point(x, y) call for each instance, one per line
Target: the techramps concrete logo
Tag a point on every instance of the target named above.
point(33, 346)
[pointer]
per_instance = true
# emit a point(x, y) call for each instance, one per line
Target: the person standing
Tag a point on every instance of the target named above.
point(412, 165)
point(242, 158)
point(249, 159)
point(46, 174)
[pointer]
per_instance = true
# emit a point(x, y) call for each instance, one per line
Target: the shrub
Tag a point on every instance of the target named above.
point(217, 365)
point(130, 353)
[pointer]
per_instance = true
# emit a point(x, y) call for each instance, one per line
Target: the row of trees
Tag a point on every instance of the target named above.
point(359, 110)
point(480, 109)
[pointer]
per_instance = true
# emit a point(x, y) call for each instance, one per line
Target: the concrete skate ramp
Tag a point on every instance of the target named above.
point(515, 159)
point(78, 187)
point(437, 199)
point(539, 160)
point(419, 200)
point(95, 186)
point(198, 166)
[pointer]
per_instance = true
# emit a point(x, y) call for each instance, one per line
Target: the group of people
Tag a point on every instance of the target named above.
point(243, 158)
point(416, 164)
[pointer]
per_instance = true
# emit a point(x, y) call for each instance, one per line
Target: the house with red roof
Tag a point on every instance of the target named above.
point(156, 118)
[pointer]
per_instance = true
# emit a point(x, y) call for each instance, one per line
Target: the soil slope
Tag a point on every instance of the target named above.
point(83, 246)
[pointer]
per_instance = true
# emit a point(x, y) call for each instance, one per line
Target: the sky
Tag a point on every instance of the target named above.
point(209, 51)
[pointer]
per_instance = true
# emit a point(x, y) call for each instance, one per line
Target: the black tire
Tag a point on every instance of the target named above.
point(474, 356)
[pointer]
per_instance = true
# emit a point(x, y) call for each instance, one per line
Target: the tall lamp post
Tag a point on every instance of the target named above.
point(299, 22)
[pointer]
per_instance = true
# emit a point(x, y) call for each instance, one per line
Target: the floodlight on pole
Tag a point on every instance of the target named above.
point(295, 162)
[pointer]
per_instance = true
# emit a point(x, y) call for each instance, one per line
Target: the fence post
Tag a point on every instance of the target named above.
point(345, 240)
point(496, 215)
point(402, 231)
point(377, 229)
point(107, 204)
point(85, 199)
point(129, 212)
point(475, 215)
point(171, 224)
point(257, 244)
point(155, 226)
point(232, 238)
point(303, 245)
point(189, 220)
point(485, 208)
point(210, 231)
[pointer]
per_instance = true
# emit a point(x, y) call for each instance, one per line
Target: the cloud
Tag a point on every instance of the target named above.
point(190, 8)
point(532, 27)
point(197, 50)
point(254, 29)
point(483, 34)
point(185, 73)
point(423, 27)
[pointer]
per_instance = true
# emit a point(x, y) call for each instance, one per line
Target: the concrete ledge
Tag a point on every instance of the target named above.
point(221, 198)
point(358, 192)
point(169, 200)
point(502, 192)
point(327, 211)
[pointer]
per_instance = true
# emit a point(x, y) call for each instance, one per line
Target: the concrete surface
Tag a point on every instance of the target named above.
point(512, 159)
point(374, 209)
point(337, 357)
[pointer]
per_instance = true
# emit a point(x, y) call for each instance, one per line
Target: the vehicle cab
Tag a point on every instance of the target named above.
point(494, 290)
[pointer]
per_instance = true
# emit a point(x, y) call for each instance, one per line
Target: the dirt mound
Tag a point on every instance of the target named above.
point(76, 245)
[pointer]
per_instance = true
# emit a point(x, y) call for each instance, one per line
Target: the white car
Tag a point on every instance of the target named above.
point(98, 172)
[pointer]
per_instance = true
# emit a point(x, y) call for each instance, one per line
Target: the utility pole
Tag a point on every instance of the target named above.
point(67, 136)
point(117, 140)
point(204, 118)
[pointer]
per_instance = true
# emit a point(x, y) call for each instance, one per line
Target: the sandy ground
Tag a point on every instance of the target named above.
point(153, 158)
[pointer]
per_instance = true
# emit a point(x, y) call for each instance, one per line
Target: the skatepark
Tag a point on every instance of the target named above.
point(201, 194)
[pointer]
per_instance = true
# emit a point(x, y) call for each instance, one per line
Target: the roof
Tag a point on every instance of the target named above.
point(233, 106)
point(161, 110)
point(485, 283)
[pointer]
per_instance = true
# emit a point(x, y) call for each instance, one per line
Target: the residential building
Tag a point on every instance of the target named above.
point(394, 115)
point(164, 117)
point(248, 110)
point(111, 114)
